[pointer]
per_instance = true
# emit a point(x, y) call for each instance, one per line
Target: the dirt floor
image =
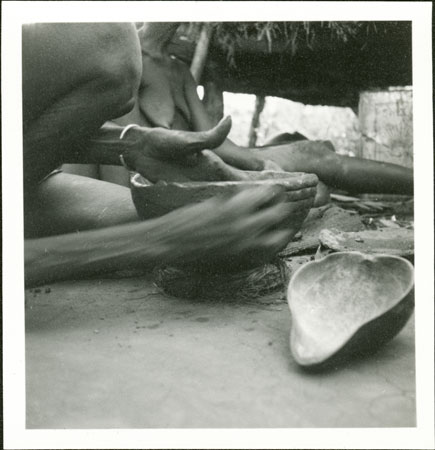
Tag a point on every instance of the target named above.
point(117, 353)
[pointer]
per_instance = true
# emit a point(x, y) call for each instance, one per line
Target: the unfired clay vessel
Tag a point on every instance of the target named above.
point(154, 200)
point(348, 304)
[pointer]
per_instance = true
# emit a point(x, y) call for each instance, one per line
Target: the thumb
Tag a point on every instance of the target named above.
point(217, 135)
point(178, 144)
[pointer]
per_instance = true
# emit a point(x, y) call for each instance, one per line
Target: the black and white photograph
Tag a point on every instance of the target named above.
point(217, 220)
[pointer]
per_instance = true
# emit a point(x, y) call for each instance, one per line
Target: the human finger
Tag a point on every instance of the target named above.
point(214, 168)
point(290, 181)
point(271, 165)
point(269, 217)
point(258, 250)
point(154, 169)
point(178, 144)
point(276, 239)
point(300, 194)
point(252, 199)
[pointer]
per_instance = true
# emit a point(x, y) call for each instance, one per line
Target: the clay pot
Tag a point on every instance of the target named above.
point(154, 200)
point(348, 304)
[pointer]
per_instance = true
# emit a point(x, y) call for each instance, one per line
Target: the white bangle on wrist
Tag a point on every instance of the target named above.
point(128, 127)
point(121, 136)
point(121, 158)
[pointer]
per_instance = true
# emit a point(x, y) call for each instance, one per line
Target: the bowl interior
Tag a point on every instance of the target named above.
point(332, 298)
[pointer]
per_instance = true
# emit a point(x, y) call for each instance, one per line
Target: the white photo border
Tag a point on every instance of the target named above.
point(16, 436)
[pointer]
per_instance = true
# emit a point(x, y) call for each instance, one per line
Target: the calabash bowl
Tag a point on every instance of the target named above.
point(348, 304)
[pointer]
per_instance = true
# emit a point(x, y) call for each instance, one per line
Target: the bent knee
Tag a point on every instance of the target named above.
point(324, 146)
point(324, 153)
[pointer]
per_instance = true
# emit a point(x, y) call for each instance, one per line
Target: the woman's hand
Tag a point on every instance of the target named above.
point(175, 145)
point(271, 165)
point(220, 234)
point(172, 155)
point(223, 234)
point(177, 156)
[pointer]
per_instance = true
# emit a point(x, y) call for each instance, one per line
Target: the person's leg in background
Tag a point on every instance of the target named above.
point(355, 175)
point(323, 190)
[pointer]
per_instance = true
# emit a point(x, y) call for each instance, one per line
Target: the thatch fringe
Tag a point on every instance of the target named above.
point(296, 35)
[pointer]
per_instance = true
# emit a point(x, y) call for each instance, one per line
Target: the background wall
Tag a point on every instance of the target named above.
point(339, 125)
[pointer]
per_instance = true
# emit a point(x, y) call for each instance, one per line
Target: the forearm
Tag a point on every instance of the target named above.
point(106, 147)
point(73, 255)
point(91, 253)
point(213, 232)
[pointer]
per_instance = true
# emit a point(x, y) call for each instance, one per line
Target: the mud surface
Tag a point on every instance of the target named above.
point(119, 354)
point(331, 217)
point(399, 242)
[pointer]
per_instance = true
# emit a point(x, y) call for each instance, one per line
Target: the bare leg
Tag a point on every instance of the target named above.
point(85, 170)
point(114, 174)
point(343, 172)
point(364, 175)
point(284, 138)
point(322, 196)
point(66, 203)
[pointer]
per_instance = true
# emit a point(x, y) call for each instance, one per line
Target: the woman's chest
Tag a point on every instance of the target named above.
point(161, 98)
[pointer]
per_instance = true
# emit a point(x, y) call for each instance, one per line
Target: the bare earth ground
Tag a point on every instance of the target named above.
point(120, 353)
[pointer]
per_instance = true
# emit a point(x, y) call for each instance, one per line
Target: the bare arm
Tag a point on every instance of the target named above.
point(162, 154)
point(106, 147)
point(160, 143)
point(215, 230)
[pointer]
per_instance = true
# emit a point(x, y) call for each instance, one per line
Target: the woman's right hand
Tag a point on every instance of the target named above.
point(223, 234)
point(219, 234)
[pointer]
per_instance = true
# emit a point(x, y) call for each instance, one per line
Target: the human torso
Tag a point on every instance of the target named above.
point(161, 99)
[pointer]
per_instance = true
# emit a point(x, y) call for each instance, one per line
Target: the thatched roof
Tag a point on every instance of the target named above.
point(312, 62)
point(286, 36)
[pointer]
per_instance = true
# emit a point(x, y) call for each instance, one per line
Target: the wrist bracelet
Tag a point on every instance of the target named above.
point(121, 136)
point(128, 127)
point(121, 158)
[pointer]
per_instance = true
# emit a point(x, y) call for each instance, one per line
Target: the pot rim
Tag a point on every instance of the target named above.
point(136, 181)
